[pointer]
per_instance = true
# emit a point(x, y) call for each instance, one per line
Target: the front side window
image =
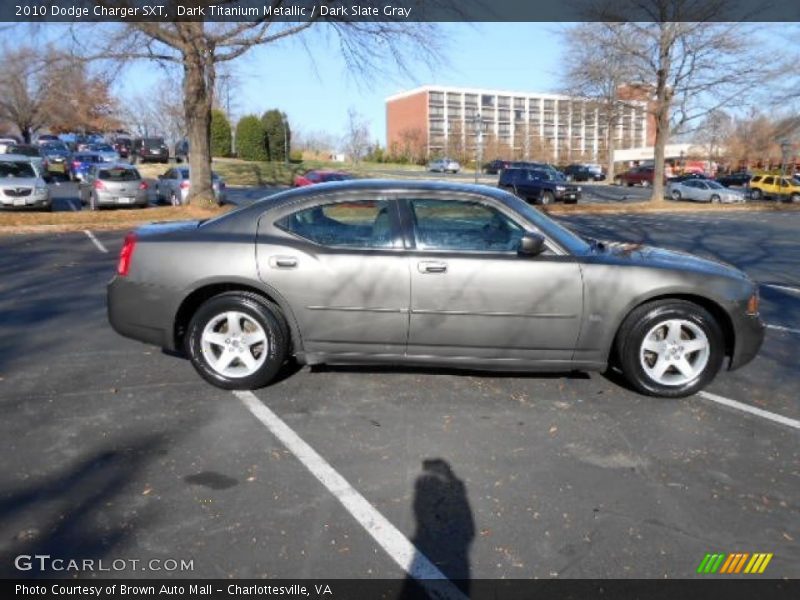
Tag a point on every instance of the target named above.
point(463, 225)
point(769, 180)
point(358, 224)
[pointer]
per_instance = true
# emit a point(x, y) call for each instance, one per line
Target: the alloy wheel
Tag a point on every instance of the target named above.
point(234, 344)
point(674, 352)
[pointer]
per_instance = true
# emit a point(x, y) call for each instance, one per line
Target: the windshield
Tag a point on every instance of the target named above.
point(16, 169)
point(102, 148)
point(23, 150)
point(54, 149)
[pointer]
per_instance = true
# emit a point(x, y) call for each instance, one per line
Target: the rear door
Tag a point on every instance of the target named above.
point(340, 264)
point(474, 297)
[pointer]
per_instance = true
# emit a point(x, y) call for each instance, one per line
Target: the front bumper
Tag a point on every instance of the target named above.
point(26, 202)
point(749, 331)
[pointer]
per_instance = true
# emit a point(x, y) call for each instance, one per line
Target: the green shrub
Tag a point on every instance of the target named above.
point(250, 139)
point(220, 134)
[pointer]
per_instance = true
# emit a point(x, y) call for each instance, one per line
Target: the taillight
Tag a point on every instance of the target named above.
point(98, 185)
point(185, 185)
point(126, 254)
point(143, 185)
point(75, 164)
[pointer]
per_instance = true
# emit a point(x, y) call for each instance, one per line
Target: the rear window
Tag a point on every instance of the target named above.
point(120, 174)
point(23, 150)
point(16, 169)
point(153, 142)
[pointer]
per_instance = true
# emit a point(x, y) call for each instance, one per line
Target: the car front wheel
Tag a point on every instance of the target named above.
point(676, 195)
point(670, 348)
point(237, 341)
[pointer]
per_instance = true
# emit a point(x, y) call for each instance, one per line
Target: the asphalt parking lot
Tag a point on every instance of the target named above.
point(115, 450)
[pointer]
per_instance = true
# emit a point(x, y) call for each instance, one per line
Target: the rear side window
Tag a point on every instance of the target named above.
point(358, 224)
point(119, 175)
point(769, 180)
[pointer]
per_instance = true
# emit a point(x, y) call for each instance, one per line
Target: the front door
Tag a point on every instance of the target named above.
point(473, 296)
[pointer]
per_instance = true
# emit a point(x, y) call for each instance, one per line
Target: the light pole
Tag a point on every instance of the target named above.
point(477, 123)
point(285, 138)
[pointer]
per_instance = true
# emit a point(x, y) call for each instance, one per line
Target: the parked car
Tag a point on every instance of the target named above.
point(22, 185)
point(105, 151)
point(637, 176)
point(113, 185)
point(32, 151)
point(538, 186)
point(56, 155)
point(584, 172)
point(444, 165)
point(122, 144)
point(319, 176)
point(494, 167)
point(80, 164)
point(6, 141)
point(432, 274)
point(47, 138)
point(152, 149)
point(182, 151)
point(734, 179)
point(775, 187)
point(173, 186)
point(703, 190)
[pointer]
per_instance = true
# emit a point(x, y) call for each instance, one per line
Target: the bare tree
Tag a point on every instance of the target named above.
point(26, 88)
point(356, 139)
point(691, 63)
point(157, 111)
point(200, 47)
point(595, 69)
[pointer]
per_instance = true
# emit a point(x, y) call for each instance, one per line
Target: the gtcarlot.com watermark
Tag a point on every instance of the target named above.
point(47, 563)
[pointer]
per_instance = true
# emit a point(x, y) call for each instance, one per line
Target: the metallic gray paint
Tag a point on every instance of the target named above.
point(560, 310)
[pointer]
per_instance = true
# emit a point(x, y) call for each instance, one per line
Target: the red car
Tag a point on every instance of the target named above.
point(637, 176)
point(316, 176)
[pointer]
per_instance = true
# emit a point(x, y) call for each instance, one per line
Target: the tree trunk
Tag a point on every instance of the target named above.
point(663, 103)
point(610, 144)
point(197, 93)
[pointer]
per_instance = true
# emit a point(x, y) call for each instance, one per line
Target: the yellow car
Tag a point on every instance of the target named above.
point(774, 186)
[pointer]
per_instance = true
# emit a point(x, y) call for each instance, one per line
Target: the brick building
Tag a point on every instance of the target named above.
point(439, 120)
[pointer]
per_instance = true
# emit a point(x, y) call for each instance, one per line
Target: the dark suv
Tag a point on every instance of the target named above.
point(538, 186)
point(152, 149)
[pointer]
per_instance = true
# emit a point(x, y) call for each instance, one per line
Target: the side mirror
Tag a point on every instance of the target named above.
point(531, 244)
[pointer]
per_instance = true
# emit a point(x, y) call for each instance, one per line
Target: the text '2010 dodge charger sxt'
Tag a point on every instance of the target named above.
point(428, 274)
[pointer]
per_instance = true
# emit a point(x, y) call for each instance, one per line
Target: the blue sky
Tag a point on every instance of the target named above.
point(315, 89)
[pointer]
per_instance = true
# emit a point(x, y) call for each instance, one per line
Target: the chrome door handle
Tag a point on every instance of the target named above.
point(282, 262)
point(431, 266)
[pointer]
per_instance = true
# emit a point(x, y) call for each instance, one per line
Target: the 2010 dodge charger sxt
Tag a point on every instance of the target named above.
point(427, 274)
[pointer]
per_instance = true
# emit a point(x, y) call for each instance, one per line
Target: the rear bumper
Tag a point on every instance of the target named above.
point(134, 311)
point(749, 332)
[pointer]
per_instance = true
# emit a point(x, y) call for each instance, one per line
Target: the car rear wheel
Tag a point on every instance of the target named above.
point(715, 199)
point(237, 341)
point(645, 183)
point(547, 198)
point(173, 199)
point(756, 194)
point(670, 348)
point(676, 195)
point(794, 198)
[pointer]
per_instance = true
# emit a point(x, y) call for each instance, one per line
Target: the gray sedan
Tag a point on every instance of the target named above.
point(22, 185)
point(426, 273)
point(173, 186)
point(703, 190)
point(109, 185)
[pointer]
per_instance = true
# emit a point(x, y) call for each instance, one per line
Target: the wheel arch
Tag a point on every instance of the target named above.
point(716, 310)
point(196, 297)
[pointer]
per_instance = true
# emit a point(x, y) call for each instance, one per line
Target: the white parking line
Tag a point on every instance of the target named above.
point(396, 545)
point(95, 241)
point(782, 328)
point(765, 414)
point(785, 288)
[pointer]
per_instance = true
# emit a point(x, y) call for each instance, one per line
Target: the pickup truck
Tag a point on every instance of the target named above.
point(538, 186)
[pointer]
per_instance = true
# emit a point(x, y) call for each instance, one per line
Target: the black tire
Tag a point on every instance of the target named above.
point(715, 199)
point(756, 194)
point(547, 198)
point(173, 199)
point(676, 195)
point(641, 320)
point(93, 203)
point(794, 198)
point(265, 313)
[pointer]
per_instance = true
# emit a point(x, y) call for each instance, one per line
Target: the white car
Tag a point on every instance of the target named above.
point(21, 184)
point(703, 190)
point(444, 165)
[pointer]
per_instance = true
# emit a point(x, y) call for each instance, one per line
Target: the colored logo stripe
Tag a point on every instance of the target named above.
point(734, 563)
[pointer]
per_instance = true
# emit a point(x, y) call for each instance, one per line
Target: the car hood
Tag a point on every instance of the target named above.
point(15, 182)
point(660, 258)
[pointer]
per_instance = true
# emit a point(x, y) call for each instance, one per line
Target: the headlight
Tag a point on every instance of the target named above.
point(579, 188)
point(40, 190)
